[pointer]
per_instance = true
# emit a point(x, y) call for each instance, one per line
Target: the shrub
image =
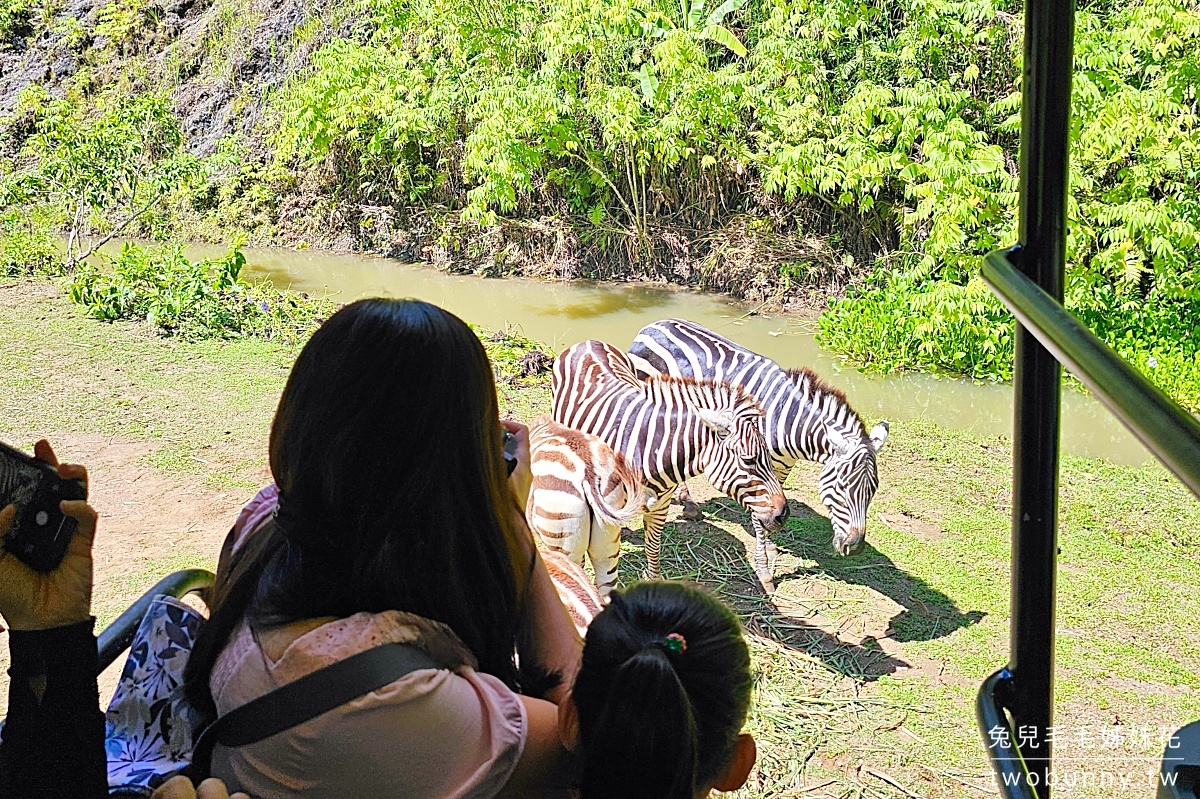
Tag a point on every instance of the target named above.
point(942, 326)
point(939, 327)
point(28, 245)
point(15, 18)
point(196, 299)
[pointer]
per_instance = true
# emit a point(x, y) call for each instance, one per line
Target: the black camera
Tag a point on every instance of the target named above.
point(510, 452)
point(40, 532)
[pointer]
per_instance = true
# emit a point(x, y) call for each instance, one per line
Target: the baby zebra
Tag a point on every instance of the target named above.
point(574, 589)
point(670, 429)
point(582, 494)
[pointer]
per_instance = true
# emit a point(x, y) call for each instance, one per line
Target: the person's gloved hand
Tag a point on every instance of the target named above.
point(30, 600)
point(182, 788)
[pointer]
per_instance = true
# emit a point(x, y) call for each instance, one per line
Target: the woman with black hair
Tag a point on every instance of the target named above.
point(392, 519)
point(661, 697)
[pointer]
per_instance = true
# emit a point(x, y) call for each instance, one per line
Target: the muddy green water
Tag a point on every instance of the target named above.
point(564, 313)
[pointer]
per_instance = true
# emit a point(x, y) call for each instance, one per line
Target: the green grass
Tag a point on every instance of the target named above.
point(120, 589)
point(207, 405)
point(938, 601)
point(866, 666)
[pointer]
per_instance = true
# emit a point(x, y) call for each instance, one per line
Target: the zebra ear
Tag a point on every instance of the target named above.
point(879, 436)
point(836, 440)
point(720, 422)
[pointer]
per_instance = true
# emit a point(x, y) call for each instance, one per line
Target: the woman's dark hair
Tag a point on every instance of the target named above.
point(655, 723)
point(387, 451)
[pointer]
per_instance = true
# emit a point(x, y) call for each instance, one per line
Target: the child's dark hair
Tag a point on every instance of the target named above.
point(659, 718)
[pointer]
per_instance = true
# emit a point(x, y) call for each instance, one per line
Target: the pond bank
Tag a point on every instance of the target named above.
point(561, 313)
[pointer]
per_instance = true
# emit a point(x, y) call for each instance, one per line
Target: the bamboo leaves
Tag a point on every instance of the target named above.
point(889, 128)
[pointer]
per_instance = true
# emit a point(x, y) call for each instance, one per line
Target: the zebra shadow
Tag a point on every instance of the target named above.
point(703, 553)
point(926, 613)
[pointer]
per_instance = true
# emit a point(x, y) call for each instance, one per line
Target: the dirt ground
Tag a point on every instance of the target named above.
point(150, 523)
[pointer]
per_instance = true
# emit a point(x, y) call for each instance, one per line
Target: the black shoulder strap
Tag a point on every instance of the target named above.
point(308, 697)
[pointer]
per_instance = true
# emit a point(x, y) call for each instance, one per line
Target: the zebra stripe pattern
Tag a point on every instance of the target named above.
point(575, 590)
point(803, 417)
point(670, 429)
point(582, 494)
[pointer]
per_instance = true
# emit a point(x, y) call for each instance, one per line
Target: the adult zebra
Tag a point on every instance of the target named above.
point(803, 417)
point(671, 429)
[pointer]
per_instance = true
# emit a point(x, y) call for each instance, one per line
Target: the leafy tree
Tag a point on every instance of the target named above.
point(692, 21)
point(125, 159)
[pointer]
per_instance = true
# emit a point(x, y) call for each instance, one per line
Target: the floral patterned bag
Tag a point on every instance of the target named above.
point(150, 728)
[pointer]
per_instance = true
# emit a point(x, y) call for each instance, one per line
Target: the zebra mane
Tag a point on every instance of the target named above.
point(824, 395)
point(741, 400)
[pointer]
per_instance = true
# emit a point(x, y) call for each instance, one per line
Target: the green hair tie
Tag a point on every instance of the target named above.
point(675, 644)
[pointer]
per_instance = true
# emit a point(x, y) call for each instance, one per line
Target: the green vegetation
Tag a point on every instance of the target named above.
point(517, 359)
point(27, 244)
point(865, 666)
point(108, 169)
point(1134, 213)
point(942, 326)
point(192, 298)
point(16, 17)
point(963, 329)
point(831, 151)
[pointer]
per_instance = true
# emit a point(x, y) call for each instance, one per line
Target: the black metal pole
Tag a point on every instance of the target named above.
point(1170, 433)
point(1045, 113)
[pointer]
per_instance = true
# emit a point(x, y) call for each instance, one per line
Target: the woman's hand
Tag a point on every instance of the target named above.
point(182, 788)
point(31, 600)
point(521, 479)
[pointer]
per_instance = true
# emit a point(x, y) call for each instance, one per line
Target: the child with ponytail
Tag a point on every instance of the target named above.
point(660, 698)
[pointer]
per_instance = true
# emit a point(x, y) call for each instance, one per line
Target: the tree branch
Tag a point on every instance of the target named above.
point(616, 192)
point(117, 230)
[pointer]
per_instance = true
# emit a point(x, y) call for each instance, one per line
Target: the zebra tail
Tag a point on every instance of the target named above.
point(633, 488)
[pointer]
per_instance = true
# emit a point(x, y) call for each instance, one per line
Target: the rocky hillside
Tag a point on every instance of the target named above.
point(219, 59)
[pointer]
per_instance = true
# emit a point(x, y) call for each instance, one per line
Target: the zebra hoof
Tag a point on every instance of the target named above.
point(766, 581)
point(692, 512)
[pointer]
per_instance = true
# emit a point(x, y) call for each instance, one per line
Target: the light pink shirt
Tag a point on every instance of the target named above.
point(432, 734)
